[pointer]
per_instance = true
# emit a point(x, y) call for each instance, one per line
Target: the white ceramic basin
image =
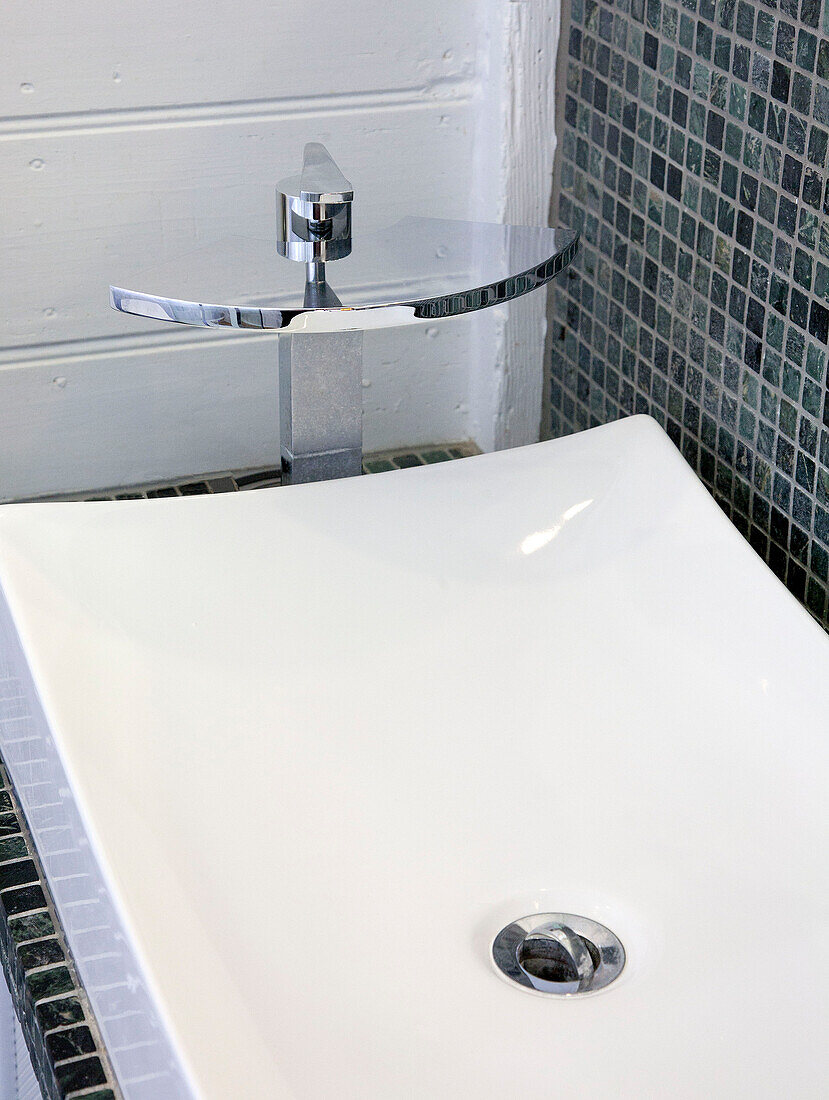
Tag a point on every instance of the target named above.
point(314, 746)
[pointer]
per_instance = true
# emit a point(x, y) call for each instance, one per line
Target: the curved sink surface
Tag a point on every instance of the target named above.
point(315, 746)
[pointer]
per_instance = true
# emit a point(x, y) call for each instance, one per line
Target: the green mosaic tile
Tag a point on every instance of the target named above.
point(731, 127)
point(12, 848)
point(42, 953)
point(59, 1013)
point(31, 927)
point(39, 970)
point(49, 983)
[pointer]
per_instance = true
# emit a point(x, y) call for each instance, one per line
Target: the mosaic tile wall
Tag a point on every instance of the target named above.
point(693, 142)
point(66, 1049)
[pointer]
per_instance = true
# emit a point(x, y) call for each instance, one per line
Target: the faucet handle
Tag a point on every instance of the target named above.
point(313, 210)
point(321, 179)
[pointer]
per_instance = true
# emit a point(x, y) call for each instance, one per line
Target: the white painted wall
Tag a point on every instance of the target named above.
point(515, 149)
point(125, 131)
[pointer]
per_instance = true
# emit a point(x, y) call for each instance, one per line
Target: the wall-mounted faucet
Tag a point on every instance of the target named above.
point(420, 269)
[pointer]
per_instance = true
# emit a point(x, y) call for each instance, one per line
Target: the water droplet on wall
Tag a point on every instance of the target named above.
point(36, 164)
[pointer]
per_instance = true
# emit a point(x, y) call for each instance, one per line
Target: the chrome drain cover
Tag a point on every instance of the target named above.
point(558, 953)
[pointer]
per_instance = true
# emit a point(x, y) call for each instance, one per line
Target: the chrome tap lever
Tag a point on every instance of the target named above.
point(321, 179)
point(313, 210)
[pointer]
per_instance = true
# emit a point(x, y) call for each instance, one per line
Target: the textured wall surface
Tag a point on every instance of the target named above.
point(693, 150)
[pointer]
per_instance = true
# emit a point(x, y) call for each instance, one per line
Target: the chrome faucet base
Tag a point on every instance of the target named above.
point(320, 405)
point(328, 466)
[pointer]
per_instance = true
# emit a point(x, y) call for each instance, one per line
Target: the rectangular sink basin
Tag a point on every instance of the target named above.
point(292, 758)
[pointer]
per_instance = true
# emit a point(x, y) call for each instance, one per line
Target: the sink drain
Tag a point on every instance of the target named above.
point(558, 953)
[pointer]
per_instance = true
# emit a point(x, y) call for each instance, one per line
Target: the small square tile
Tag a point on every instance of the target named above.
point(42, 953)
point(801, 97)
point(745, 20)
point(796, 134)
point(59, 1013)
point(810, 12)
point(784, 46)
point(80, 1074)
point(22, 900)
point(71, 1043)
point(818, 141)
point(12, 848)
point(49, 983)
point(806, 50)
point(32, 927)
